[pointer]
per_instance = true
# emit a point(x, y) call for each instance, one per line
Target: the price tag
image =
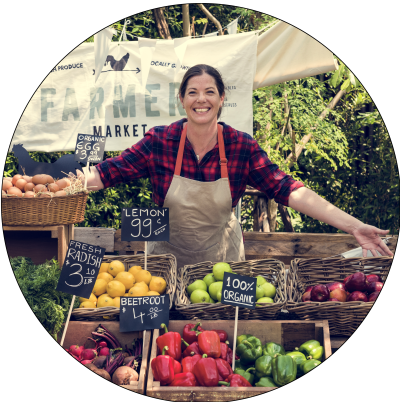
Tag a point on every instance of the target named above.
point(145, 224)
point(80, 269)
point(89, 148)
point(141, 313)
point(239, 290)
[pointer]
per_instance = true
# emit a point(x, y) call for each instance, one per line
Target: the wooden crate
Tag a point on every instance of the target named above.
point(40, 243)
point(79, 331)
point(288, 333)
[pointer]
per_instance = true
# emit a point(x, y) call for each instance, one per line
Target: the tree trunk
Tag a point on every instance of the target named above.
point(272, 213)
point(285, 218)
point(211, 18)
point(186, 19)
point(162, 24)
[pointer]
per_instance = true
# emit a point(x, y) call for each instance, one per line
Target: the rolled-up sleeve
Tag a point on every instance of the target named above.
point(132, 164)
point(266, 176)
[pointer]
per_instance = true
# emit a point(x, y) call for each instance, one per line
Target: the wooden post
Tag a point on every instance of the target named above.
point(67, 322)
point(185, 19)
point(234, 337)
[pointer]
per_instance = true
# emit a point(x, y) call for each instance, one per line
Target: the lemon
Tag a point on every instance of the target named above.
point(134, 269)
point(143, 276)
point(115, 288)
point(99, 287)
point(117, 301)
point(115, 268)
point(104, 267)
point(138, 289)
point(152, 293)
point(126, 278)
point(87, 304)
point(105, 301)
point(92, 298)
point(127, 295)
point(106, 276)
point(158, 284)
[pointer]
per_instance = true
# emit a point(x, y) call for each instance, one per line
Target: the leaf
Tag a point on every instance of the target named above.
point(345, 85)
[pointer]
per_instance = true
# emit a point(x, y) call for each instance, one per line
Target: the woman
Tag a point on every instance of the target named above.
point(199, 170)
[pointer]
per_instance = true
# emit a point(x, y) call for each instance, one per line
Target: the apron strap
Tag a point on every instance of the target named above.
point(222, 157)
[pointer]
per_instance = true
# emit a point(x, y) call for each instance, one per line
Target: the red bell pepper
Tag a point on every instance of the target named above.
point(184, 380)
point(229, 356)
point(191, 331)
point(206, 372)
point(224, 351)
point(163, 368)
point(235, 380)
point(192, 349)
point(177, 367)
point(189, 362)
point(209, 343)
point(223, 335)
point(173, 341)
point(224, 369)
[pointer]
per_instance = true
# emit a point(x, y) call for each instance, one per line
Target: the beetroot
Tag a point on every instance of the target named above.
point(100, 361)
point(357, 281)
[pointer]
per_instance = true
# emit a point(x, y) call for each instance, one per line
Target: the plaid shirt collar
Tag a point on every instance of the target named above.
point(175, 129)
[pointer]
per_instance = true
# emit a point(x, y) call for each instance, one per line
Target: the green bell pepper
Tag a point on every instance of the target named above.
point(284, 370)
point(312, 348)
point(299, 358)
point(265, 382)
point(242, 338)
point(272, 349)
point(249, 350)
point(263, 366)
point(308, 365)
point(247, 374)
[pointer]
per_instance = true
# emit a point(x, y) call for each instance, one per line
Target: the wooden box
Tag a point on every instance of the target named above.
point(290, 334)
point(79, 331)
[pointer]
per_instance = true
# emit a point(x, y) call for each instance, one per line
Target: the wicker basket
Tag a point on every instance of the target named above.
point(43, 211)
point(344, 317)
point(158, 265)
point(272, 270)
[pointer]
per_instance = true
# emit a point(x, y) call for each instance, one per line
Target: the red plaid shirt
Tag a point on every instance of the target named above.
point(154, 156)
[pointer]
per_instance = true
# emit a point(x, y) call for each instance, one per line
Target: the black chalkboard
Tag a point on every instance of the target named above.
point(89, 148)
point(145, 224)
point(80, 269)
point(140, 313)
point(239, 290)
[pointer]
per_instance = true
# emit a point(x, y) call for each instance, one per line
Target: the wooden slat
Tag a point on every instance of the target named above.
point(338, 341)
point(127, 246)
point(103, 237)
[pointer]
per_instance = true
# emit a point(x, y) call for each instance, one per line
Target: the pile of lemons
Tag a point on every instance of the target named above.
point(113, 282)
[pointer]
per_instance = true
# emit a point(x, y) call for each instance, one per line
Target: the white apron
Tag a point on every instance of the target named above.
point(202, 224)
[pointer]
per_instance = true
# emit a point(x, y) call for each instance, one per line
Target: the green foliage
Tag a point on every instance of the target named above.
point(38, 284)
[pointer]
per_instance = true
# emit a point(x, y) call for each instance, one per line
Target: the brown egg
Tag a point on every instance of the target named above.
point(15, 178)
point(27, 178)
point(50, 179)
point(62, 183)
point(46, 195)
point(7, 178)
point(3, 193)
point(29, 187)
point(29, 194)
point(16, 192)
point(53, 187)
point(40, 188)
point(6, 185)
point(21, 184)
point(40, 179)
point(60, 193)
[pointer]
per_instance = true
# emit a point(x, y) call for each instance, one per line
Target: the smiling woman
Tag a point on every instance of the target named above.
point(200, 168)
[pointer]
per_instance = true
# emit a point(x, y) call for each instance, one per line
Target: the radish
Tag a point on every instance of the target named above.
point(104, 352)
point(102, 344)
point(88, 354)
point(75, 350)
point(85, 362)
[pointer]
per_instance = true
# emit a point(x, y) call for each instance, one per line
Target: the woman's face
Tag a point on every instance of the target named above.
point(202, 100)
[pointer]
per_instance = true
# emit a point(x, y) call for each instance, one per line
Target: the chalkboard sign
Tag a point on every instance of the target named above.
point(145, 224)
point(140, 313)
point(239, 290)
point(89, 148)
point(80, 269)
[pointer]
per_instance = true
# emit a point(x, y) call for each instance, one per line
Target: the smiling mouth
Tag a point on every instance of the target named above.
point(203, 110)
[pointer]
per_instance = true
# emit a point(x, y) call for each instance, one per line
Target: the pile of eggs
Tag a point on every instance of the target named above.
point(38, 186)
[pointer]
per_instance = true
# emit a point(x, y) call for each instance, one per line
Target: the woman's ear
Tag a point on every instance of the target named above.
point(181, 99)
point(222, 98)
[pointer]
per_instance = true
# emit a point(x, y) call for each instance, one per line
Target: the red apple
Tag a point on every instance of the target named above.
point(335, 285)
point(319, 293)
point(308, 289)
point(333, 299)
point(306, 297)
point(345, 280)
point(357, 281)
point(374, 287)
point(373, 296)
point(357, 296)
point(339, 294)
point(374, 278)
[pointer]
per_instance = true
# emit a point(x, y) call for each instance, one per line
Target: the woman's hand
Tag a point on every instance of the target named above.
point(368, 237)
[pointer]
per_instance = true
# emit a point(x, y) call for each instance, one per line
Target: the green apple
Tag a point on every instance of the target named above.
point(215, 290)
point(209, 279)
point(212, 301)
point(260, 280)
point(264, 300)
point(259, 292)
point(200, 296)
point(269, 290)
point(219, 268)
point(198, 284)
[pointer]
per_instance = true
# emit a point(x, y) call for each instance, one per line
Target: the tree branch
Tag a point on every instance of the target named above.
point(162, 24)
point(211, 17)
